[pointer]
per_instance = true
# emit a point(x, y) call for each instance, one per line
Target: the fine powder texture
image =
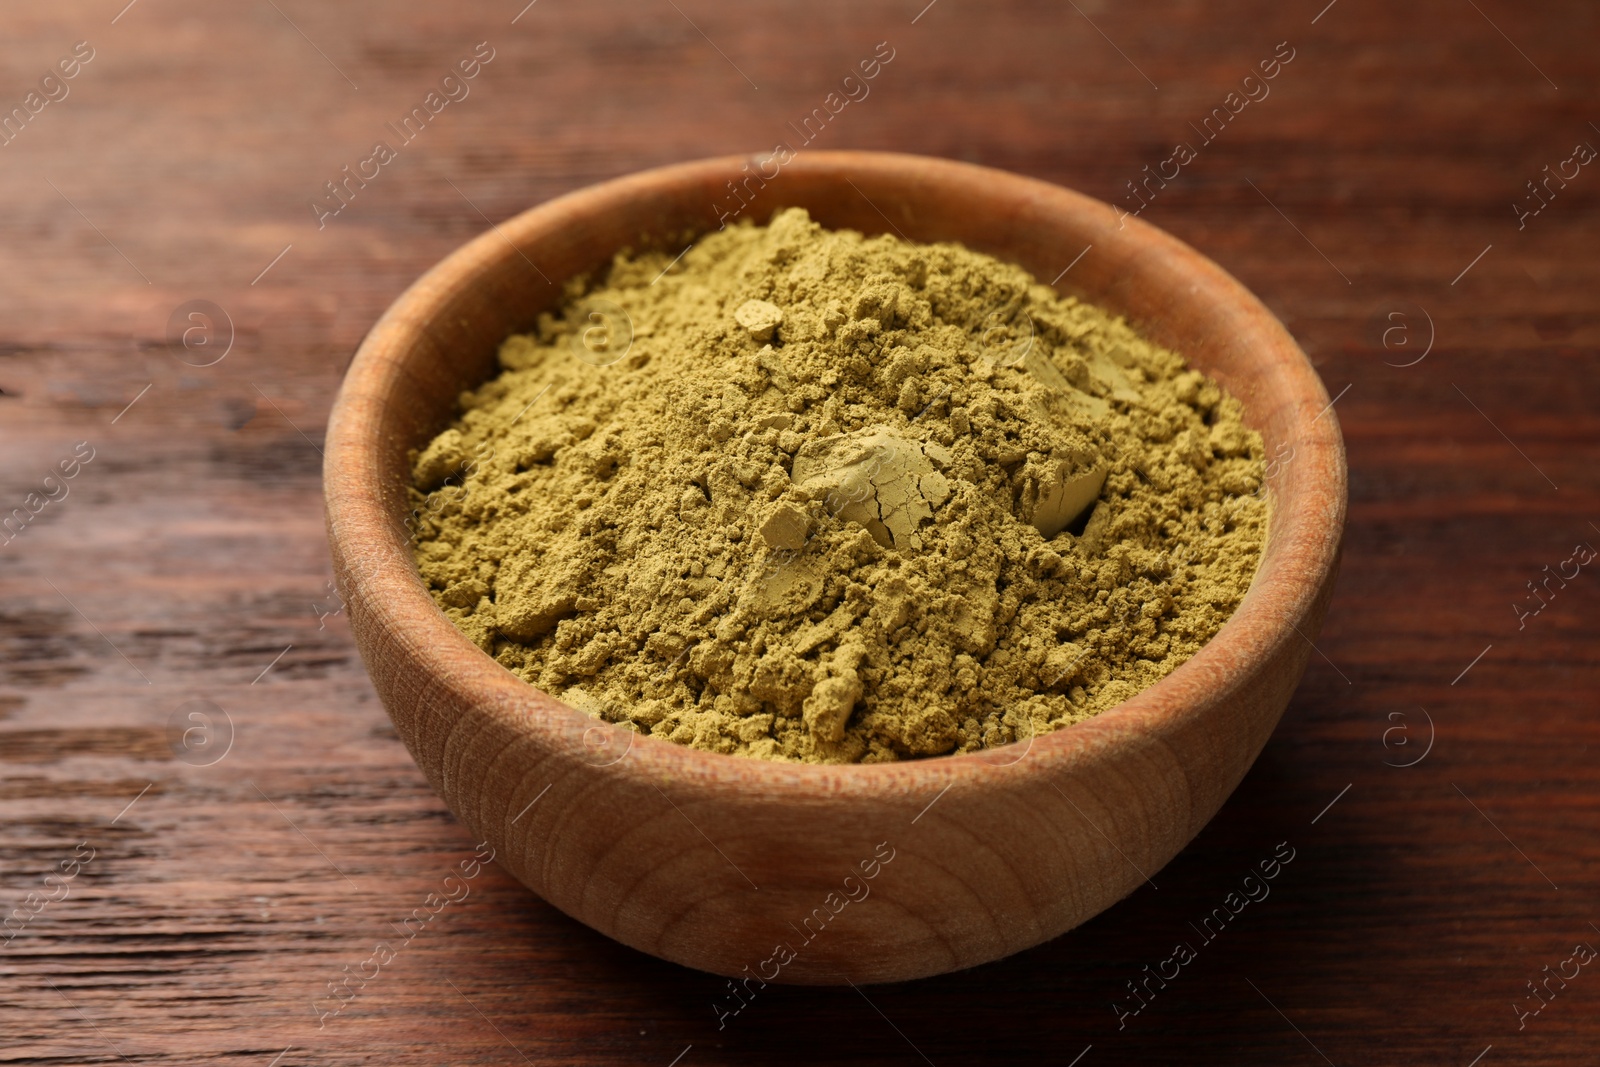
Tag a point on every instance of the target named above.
point(802, 494)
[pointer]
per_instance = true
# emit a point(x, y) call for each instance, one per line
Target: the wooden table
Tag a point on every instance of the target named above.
point(209, 884)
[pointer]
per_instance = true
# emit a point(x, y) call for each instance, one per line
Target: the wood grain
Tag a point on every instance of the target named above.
point(228, 896)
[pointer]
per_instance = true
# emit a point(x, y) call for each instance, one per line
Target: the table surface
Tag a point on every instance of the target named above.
point(1434, 774)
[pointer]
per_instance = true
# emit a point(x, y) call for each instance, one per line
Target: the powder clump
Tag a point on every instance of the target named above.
point(839, 499)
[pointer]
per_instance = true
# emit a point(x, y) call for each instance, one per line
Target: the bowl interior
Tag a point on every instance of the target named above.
point(441, 336)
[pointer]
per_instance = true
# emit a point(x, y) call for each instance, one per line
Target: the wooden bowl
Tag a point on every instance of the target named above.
point(806, 873)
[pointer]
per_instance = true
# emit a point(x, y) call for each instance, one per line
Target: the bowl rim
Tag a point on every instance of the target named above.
point(1300, 552)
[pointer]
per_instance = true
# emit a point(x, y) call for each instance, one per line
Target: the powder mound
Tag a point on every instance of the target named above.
point(835, 498)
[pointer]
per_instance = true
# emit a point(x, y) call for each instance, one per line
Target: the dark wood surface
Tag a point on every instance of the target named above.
point(188, 554)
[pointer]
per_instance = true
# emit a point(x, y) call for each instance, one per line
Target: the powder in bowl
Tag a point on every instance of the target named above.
point(814, 496)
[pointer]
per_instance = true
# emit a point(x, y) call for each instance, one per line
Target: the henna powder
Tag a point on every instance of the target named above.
point(807, 495)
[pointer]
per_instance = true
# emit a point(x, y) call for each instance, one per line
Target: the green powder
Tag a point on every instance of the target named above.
point(814, 496)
